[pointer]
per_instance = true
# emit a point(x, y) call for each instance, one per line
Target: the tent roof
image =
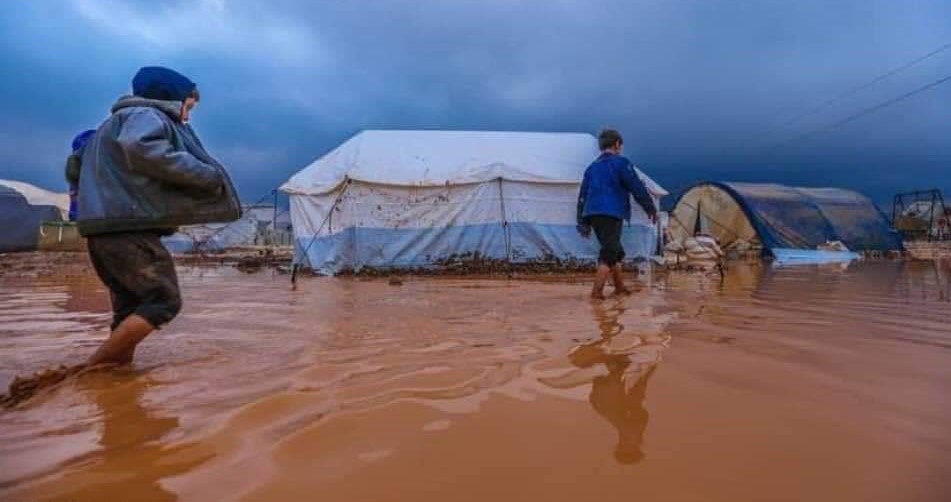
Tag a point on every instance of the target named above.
point(37, 196)
point(795, 217)
point(437, 158)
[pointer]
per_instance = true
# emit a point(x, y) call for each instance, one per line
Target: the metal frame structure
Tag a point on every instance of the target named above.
point(903, 200)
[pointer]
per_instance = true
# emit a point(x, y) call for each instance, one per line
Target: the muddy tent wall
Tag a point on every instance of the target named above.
point(379, 226)
point(782, 217)
point(21, 221)
point(414, 198)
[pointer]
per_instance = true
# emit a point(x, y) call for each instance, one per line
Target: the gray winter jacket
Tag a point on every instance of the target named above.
point(146, 170)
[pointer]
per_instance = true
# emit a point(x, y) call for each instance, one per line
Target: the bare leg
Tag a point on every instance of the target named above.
point(617, 275)
point(600, 279)
point(120, 346)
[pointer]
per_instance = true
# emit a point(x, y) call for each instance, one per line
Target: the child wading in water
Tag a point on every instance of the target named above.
point(604, 204)
point(142, 174)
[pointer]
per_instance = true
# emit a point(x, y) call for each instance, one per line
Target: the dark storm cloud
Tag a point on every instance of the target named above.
point(695, 86)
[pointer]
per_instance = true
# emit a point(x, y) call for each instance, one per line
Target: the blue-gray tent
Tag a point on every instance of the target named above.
point(23, 209)
point(777, 217)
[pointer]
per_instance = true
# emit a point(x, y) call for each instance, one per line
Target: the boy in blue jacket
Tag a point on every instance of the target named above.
point(604, 204)
point(142, 174)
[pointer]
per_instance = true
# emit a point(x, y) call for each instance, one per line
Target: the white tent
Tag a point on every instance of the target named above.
point(414, 198)
point(36, 196)
point(25, 211)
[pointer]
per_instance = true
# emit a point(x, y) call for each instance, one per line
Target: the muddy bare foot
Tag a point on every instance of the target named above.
point(122, 359)
point(25, 388)
point(598, 296)
point(125, 359)
point(623, 292)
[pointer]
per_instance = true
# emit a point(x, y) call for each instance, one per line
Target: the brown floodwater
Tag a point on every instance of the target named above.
point(804, 383)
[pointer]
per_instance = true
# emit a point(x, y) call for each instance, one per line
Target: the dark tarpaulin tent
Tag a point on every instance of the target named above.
point(782, 217)
point(20, 220)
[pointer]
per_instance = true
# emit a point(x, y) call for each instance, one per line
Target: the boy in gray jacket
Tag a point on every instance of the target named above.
point(141, 175)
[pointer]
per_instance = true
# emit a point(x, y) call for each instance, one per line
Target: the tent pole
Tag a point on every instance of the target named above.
point(505, 225)
point(274, 220)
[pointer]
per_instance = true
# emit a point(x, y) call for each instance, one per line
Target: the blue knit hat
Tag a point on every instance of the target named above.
point(156, 82)
point(80, 140)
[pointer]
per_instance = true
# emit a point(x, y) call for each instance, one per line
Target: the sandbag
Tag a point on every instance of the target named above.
point(703, 244)
point(674, 247)
point(700, 253)
point(703, 252)
point(703, 264)
point(833, 246)
point(697, 256)
point(672, 259)
point(739, 245)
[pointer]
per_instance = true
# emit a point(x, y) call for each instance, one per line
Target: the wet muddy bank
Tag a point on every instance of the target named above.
point(66, 264)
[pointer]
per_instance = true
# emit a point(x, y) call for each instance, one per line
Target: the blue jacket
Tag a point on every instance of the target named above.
point(606, 189)
point(145, 169)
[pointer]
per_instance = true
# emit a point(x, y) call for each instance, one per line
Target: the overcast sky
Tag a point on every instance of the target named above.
point(701, 89)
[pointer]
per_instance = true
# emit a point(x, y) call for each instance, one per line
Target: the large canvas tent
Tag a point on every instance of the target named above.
point(396, 199)
point(778, 217)
point(23, 210)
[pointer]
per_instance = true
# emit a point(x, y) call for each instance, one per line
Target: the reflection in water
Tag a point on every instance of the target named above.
point(128, 428)
point(619, 396)
point(622, 404)
point(942, 273)
point(130, 457)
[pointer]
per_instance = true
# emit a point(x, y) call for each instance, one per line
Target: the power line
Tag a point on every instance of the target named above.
point(857, 89)
point(861, 113)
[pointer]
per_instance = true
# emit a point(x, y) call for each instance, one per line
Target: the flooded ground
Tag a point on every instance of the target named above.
point(774, 384)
